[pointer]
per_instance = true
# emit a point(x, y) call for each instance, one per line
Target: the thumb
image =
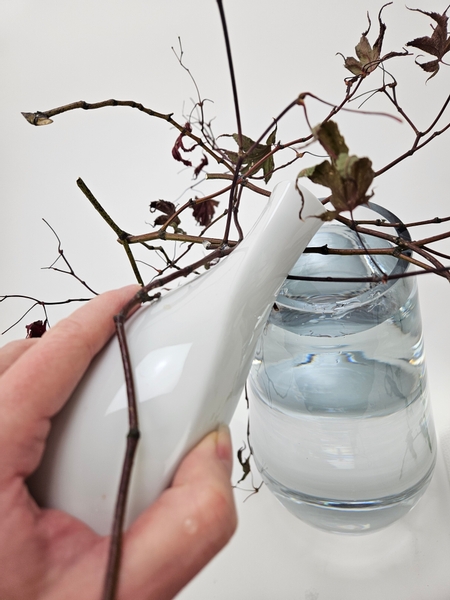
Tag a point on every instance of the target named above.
point(185, 528)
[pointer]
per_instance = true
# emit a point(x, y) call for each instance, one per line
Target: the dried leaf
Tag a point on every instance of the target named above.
point(431, 66)
point(163, 206)
point(200, 166)
point(180, 146)
point(268, 167)
point(269, 163)
point(168, 209)
point(244, 462)
point(438, 44)
point(330, 138)
point(203, 212)
point(36, 329)
point(365, 52)
point(369, 57)
point(247, 142)
point(272, 138)
point(357, 176)
point(347, 176)
point(256, 155)
point(232, 156)
point(354, 66)
point(327, 175)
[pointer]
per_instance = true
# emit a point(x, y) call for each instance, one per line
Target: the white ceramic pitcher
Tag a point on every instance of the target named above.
point(191, 352)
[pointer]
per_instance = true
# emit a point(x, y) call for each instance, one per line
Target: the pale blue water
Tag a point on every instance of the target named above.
point(340, 422)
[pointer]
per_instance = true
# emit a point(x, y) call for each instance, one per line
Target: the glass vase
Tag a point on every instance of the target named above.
point(340, 423)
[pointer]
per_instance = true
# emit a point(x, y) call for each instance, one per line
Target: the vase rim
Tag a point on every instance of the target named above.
point(292, 294)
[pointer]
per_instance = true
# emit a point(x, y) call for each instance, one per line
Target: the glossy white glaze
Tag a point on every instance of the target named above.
point(191, 352)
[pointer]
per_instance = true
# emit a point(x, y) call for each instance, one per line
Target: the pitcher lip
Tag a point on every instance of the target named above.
point(359, 297)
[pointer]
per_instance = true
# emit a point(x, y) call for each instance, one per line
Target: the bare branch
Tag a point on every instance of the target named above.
point(123, 235)
point(69, 266)
point(37, 302)
point(44, 118)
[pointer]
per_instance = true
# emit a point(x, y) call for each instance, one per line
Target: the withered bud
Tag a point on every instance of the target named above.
point(36, 329)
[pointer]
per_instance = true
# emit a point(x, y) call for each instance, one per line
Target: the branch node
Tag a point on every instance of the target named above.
point(144, 297)
point(134, 433)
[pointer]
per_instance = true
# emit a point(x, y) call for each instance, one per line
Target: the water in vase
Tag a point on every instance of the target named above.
point(340, 422)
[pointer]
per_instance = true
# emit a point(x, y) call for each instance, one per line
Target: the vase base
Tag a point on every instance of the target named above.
point(349, 517)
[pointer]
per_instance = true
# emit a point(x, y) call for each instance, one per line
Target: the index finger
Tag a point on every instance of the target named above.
point(38, 384)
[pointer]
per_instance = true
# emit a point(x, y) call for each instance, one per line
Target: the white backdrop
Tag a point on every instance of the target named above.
point(54, 52)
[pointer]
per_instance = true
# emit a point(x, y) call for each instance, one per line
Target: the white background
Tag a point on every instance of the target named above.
point(54, 52)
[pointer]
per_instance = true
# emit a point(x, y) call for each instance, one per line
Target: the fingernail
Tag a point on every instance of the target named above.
point(224, 448)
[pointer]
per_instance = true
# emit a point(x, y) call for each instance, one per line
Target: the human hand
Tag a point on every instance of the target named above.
point(46, 554)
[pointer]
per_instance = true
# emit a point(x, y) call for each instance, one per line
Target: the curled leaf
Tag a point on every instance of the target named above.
point(168, 209)
point(200, 166)
point(368, 56)
point(178, 146)
point(36, 329)
point(438, 44)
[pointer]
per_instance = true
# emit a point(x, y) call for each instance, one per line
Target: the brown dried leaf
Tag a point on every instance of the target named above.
point(168, 209)
point(36, 329)
point(200, 166)
point(256, 155)
point(180, 146)
point(369, 57)
point(347, 176)
point(438, 44)
point(203, 212)
point(164, 206)
point(327, 175)
point(330, 138)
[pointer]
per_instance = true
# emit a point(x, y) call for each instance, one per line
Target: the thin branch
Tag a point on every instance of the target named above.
point(434, 238)
point(112, 571)
point(69, 266)
point(437, 253)
point(242, 182)
point(114, 556)
point(419, 135)
point(210, 247)
point(123, 235)
point(392, 87)
point(231, 69)
point(99, 208)
point(176, 237)
point(444, 271)
point(395, 251)
point(199, 102)
point(37, 302)
point(39, 118)
point(335, 109)
point(438, 266)
point(439, 115)
point(411, 151)
point(395, 225)
point(162, 251)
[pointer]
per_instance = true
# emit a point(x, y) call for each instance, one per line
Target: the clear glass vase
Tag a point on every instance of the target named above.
point(340, 423)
